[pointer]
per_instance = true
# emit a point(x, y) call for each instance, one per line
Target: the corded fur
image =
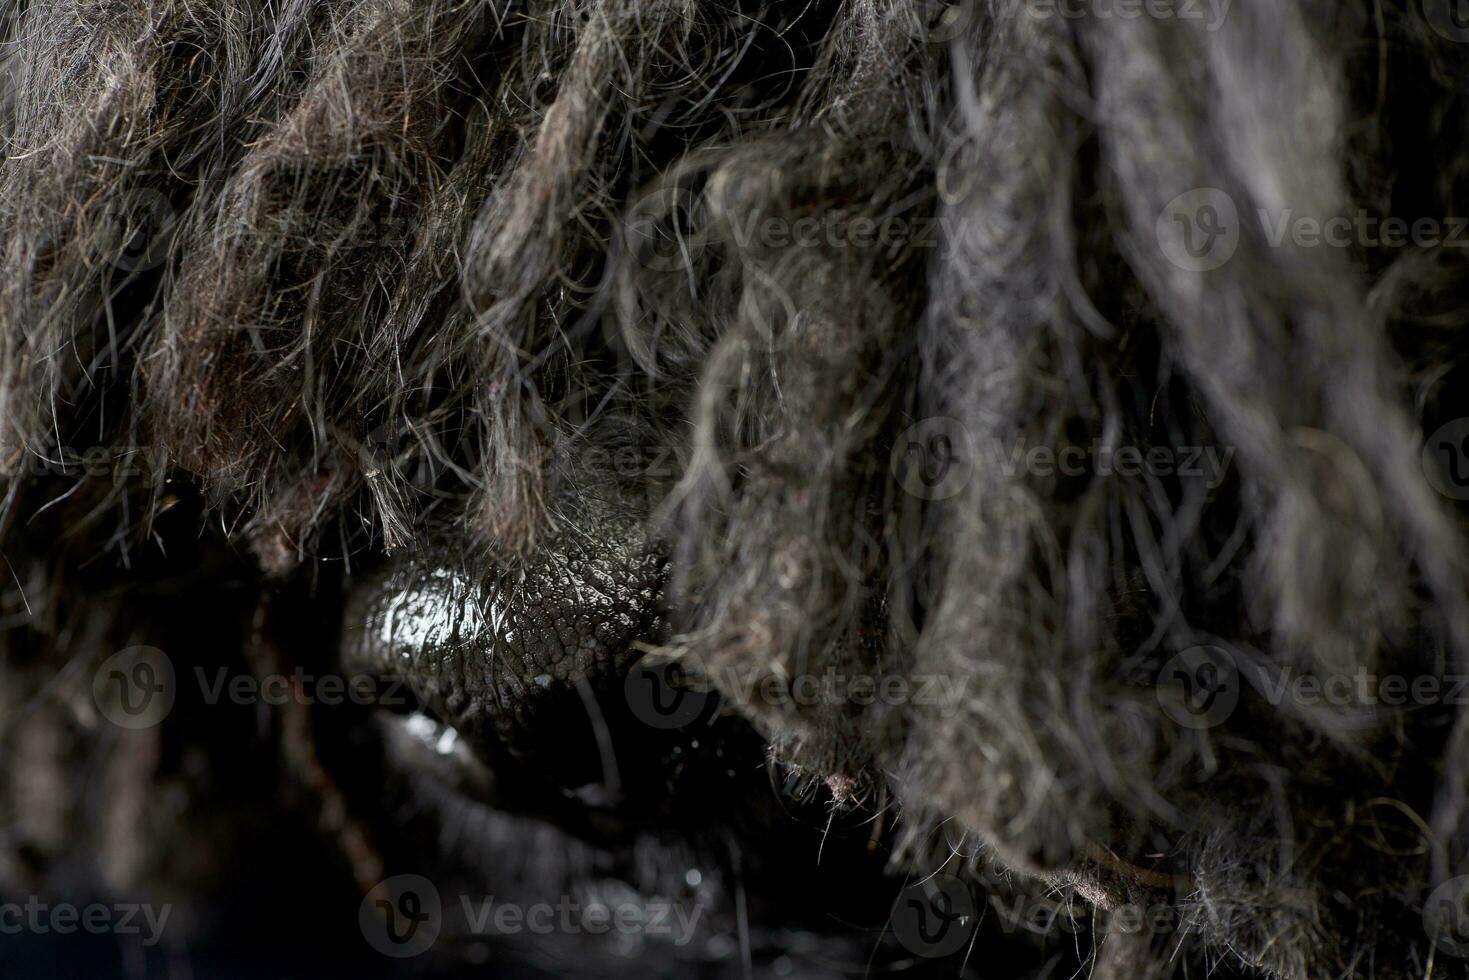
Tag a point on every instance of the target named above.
point(482, 239)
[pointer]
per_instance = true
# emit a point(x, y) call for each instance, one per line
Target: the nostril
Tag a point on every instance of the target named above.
point(394, 695)
point(559, 741)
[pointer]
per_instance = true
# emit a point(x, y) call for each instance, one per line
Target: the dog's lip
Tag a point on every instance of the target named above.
point(438, 747)
point(495, 851)
point(687, 793)
point(703, 822)
point(482, 848)
point(593, 813)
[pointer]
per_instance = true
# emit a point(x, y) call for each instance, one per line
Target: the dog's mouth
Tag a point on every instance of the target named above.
point(575, 806)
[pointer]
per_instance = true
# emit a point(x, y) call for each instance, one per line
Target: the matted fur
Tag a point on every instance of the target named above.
point(386, 230)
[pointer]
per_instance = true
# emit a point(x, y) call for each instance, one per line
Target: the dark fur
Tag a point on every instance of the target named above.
point(403, 238)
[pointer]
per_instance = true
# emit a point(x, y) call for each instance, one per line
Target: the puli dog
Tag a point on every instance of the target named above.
point(734, 488)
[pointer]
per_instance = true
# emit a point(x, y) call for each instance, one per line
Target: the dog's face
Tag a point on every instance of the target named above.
point(737, 489)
